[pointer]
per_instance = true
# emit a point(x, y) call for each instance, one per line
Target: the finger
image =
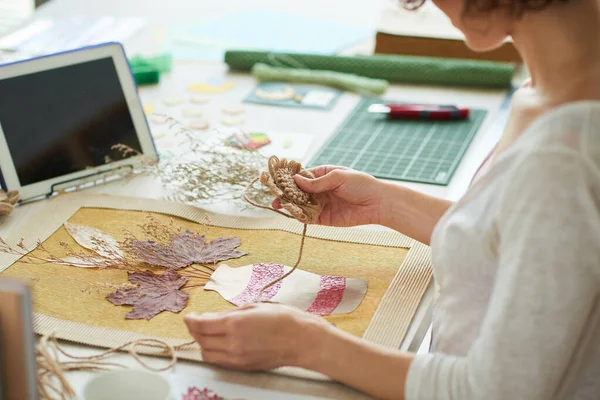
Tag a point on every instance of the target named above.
point(247, 306)
point(228, 361)
point(212, 343)
point(276, 204)
point(319, 185)
point(324, 170)
point(216, 357)
point(206, 324)
point(244, 307)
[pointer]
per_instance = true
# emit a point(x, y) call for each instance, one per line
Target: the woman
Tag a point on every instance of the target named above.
point(516, 261)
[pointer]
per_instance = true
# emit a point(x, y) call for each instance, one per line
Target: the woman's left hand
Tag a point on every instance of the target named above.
point(258, 336)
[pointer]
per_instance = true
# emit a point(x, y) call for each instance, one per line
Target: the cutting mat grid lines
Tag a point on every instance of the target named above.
point(416, 151)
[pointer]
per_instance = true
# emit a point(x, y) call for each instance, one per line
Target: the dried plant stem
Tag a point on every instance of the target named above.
point(193, 272)
point(198, 270)
point(190, 274)
point(193, 286)
point(110, 258)
point(205, 266)
point(207, 172)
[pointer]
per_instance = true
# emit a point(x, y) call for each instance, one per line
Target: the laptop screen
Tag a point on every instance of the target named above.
point(65, 120)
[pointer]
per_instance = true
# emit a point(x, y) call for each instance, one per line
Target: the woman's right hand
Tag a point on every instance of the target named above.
point(348, 197)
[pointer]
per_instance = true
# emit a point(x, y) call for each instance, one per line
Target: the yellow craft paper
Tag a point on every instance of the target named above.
point(78, 294)
point(148, 109)
point(203, 87)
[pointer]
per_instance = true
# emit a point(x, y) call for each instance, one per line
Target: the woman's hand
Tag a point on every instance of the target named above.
point(258, 336)
point(264, 336)
point(348, 197)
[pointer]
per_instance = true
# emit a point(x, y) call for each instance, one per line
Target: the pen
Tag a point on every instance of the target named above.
point(420, 111)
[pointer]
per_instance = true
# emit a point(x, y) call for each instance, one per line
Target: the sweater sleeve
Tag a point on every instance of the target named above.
point(543, 301)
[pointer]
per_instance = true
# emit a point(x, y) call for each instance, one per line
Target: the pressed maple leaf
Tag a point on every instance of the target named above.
point(186, 248)
point(154, 294)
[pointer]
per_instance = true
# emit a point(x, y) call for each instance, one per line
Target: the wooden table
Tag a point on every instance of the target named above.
point(316, 125)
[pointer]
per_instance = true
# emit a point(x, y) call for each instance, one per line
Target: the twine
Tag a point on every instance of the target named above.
point(51, 370)
point(301, 206)
point(279, 179)
point(8, 201)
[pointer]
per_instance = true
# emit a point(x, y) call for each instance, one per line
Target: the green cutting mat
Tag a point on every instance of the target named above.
point(416, 151)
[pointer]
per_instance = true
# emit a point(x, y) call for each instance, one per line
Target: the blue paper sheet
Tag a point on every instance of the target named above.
point(259, 30)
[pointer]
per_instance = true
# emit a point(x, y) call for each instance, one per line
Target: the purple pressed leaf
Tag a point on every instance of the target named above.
point(186, 248)
point(154, 294)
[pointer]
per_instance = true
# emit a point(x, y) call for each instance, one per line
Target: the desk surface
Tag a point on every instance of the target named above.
point(315, 125)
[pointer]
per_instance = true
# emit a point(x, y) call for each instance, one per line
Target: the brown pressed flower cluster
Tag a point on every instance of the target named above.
point(280, 181)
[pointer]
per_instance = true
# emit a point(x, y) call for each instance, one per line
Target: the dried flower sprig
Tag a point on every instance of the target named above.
point(210, 171)
point(73, 258)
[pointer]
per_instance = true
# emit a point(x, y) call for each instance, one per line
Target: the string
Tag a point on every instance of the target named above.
point(8, 201)
point(246, 198)
point(282, 277)
point(274, 163)
point(51, 370)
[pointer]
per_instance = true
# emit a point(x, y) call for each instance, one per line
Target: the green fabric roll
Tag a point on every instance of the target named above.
point(407, 69)
point(340, 80)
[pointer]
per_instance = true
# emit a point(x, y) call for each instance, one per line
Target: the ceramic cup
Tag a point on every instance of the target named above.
point(127, 385)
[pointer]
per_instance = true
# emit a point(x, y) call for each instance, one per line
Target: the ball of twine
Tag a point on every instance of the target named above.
point(279, 179)
point(7, 201)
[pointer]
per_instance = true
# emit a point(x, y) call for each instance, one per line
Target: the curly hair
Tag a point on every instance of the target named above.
point(515, 7)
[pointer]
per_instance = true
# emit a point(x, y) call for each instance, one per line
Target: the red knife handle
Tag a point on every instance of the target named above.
point(427, 112)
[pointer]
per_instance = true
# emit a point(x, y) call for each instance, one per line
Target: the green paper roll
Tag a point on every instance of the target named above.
point(406, 69)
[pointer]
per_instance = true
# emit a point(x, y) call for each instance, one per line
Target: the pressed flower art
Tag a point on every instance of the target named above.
point(190, 261)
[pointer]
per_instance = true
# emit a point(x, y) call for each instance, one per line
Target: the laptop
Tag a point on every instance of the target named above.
point(61, 116)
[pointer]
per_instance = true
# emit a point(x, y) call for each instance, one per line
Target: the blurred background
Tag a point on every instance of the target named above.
point(14, 12)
